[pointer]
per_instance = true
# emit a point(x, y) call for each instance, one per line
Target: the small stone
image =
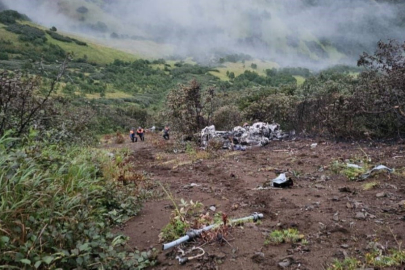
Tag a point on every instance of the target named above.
point(285, 263)
point(319, 186)
point(402, 204)
point(335, 217)
point(213, 208)
point(220, 255)
point(381, 194)
point(335, 198)
point(349, 205)
point(360, 215)
point(357, 205)
point(345, 246)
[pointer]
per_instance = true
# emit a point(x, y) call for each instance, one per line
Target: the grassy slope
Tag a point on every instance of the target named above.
point(95, 53)
point(238, 68)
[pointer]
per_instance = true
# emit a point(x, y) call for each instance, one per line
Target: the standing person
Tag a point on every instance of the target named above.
point(140, 131)
point(166, 132)
point(132, 135)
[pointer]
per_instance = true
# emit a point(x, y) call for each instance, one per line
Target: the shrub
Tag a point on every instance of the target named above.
point(82, 9)
point(56, 209)
point(3, 56)
point(11, 16)
point(27, 33)
point(227, 117)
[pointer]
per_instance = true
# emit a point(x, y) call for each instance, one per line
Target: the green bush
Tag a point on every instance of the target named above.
point(11, 16)
point(27, 33)
point(3, 56)
point(62, 38)
point(56, 208)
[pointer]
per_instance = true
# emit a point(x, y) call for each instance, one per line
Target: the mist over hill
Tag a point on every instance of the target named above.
point(310, 33)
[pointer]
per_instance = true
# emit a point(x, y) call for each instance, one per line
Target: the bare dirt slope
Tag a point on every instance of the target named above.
point(339, 218)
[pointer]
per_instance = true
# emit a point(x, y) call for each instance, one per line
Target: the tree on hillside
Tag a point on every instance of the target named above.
point(23, 101)
point(383, 90)
point(82, 9)
point(189, 108)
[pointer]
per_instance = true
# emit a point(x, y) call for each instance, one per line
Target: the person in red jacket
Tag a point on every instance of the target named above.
point(132, 135)
point(140, 131)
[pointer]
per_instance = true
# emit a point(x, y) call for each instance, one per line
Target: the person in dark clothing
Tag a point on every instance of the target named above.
point(132, 135)
point(140, 131)
point(166, 133)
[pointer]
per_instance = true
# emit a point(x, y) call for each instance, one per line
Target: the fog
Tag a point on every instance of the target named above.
point(311, 33)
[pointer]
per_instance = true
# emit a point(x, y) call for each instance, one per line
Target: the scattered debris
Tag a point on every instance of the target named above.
point(346, 189)
point(381, 194)
point(336, 216)
point(401, 204)
point(282, 181)
point(191, 185)
point(313, 145)
point(360, 215)
point(195, 233)
point(286, 262)
point(258, 134)
point(375, 169)
point(350, 165)
point(183, 259)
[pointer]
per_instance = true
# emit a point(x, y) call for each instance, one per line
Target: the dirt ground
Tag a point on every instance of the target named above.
point(338, 217)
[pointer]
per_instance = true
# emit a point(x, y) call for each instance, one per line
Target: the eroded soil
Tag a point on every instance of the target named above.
point(339, 218)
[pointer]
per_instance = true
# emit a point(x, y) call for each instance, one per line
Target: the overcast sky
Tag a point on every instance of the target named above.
point(268, 29)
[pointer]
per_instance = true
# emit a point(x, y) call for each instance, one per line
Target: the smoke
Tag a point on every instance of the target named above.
point(310, 33)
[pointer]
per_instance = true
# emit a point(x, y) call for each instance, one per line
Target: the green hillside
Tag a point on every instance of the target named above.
point(95, 53)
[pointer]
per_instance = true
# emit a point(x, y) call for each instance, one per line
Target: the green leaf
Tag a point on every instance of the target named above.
point(84, 247)
point(25, 261)
point(48, 259)
point(4, 239)
point(37, 264)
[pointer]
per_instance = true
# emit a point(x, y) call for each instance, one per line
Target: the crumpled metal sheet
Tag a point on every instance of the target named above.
point(376, 168)
point(258, 134)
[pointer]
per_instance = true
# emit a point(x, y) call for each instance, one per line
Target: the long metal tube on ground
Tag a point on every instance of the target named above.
point(194, 233)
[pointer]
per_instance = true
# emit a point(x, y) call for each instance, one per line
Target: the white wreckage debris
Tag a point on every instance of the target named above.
point(258, 134)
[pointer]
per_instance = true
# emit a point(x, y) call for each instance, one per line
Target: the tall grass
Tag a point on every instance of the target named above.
point(56, 207)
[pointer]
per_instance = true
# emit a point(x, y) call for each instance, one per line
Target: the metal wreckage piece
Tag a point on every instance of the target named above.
point(258, 134)
point(195, 233)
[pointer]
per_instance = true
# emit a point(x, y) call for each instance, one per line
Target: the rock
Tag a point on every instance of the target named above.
point(220, 255)
point(357, 205)
point(402, 204)
point(313, 145)
point(360, 215)
point(346, 189)
point(286, 262)
point(319, 186)
point(345, 246)
point(258, 257)
point(335, 217)
point(380, 195)
point(335, 199)
point(349, 205)
point(213, 208)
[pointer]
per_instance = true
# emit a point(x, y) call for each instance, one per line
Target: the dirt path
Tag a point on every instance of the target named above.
point(337, 217)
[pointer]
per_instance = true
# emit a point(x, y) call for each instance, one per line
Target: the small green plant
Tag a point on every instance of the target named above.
point(346, 264)
point(285, 236)
point(180, 218)
point(370, 185)
point(351, 172)
point(395, 257)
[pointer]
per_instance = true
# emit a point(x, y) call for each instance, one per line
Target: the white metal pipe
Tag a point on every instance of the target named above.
point(193, 233)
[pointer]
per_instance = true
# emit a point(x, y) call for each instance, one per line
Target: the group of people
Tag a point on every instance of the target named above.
point(141, 134)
